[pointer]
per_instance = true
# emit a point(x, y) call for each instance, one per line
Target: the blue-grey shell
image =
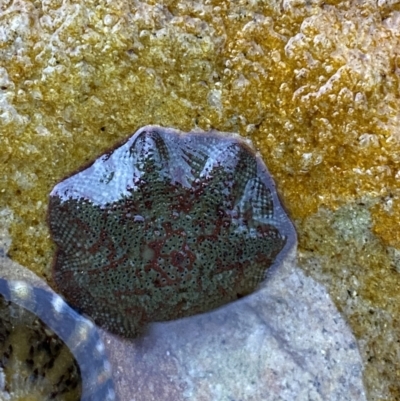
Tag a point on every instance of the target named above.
point(49, 324)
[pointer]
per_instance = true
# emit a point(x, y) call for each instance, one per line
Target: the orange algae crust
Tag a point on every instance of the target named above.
point(386, 220)
point(315, 85)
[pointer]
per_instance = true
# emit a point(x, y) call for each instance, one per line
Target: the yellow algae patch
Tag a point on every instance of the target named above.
point(386, 220)
point(334, 135)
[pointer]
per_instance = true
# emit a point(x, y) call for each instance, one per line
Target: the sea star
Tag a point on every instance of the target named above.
point(166, 225)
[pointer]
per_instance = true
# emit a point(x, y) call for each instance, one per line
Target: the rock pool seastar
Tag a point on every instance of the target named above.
point(166, 225)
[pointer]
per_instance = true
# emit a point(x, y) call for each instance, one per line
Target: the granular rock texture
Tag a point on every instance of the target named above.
point(167, 225)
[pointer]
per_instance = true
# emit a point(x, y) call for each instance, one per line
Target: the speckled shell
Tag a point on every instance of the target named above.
point(166, 225)
point(49, 324)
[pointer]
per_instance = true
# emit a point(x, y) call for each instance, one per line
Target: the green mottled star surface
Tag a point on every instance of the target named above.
point(167, 225)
